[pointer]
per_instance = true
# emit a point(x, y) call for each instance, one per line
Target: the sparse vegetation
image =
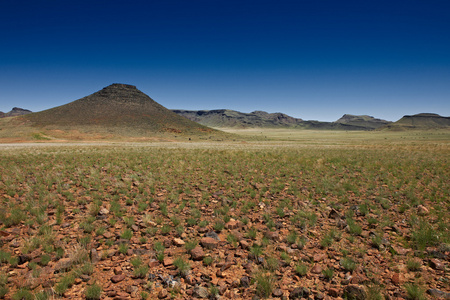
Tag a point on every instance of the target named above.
point(333, 200)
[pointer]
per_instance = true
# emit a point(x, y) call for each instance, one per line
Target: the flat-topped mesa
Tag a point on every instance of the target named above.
point(120, 86)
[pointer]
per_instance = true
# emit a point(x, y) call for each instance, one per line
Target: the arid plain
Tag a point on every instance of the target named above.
point(288, 214)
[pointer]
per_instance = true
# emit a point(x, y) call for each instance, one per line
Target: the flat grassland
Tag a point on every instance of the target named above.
point(313, 214)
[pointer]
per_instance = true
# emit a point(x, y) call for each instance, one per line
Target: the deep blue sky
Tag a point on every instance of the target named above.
point(309, 59)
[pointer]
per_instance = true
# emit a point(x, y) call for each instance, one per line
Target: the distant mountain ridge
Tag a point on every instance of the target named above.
point(420, 121)
point(16, 111)
point(363, 121)
point(221, 118)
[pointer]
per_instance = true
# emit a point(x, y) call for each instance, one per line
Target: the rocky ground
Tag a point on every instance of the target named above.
point(90, 241)
point(234, 266)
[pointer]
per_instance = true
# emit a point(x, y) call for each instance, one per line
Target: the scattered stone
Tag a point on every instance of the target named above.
point(222, 286)
point(319, 257)
point(197, 253)
point(212, 234)
point(232, 224)
point(245, 281)
point(103, 211)
point(396, 279)
point(334, 214)
point(438, 294)
point(316, 269)
point(153, 263)
point(108, 235)
point(209, 242)
point(95, 257)
point(319, 296)
point(131, 289)
point(178, 242)
point(163, 294)
point(168, 261)
point(333, 292)
point(357, 292)
point(63, 264)
point(24, 258)
point(278, 292)
point(273, 235)
point(245, 245)
point(422, 210)
point(436, 264)
point(118, 278)
point(201, 292)
point(299, 292)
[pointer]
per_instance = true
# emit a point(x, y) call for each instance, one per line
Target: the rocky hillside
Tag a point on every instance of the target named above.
point(420, 121)
point(116, 108)
point(363, 121)
point(230, 118)
point(16, 111)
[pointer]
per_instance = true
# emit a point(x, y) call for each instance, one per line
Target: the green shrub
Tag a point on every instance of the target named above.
point(265, 283)
point(23, 294)
point(127, 234)
point(123, 248)
point(328, 273)
point(190, 245)
point(93, 292)
point(348, 264)
point(301, 269)
point(182, 266)
point(251, 234)
point(414, 292)
point(413, 264)
point(208, 260)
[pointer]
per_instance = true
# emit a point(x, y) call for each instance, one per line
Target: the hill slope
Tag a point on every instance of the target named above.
point(116, 108)
point(16, 111)
point(230, 118)
point(363, 121)
point(420, 121)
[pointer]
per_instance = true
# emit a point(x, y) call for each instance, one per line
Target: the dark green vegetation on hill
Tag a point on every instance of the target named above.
point(322, 221)
point(230, 118)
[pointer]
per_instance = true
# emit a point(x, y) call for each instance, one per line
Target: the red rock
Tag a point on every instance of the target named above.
point(396, 279)
point(319, 257)
point(168, 261)
point(153, 263)
point(118, 278)
point(232, 224)
point(278, 292)
point(316, 269)
point(436, 264)
point(117, 270)
point(197, 253)
point(208, 242)
point(245, 245)
point(333, 292)
point(357, 292)
point(63, 263)
point(178, 242)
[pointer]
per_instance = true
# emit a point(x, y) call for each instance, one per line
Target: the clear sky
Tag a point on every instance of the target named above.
point(314, 60)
